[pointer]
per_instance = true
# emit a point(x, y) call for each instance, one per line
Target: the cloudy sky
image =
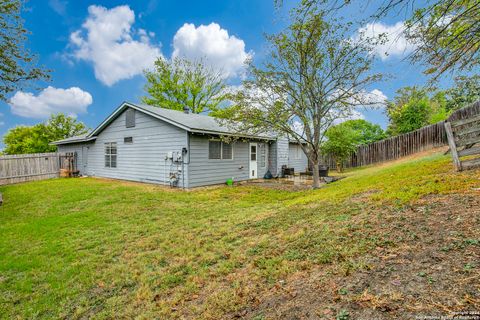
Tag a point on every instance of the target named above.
point(97, 51)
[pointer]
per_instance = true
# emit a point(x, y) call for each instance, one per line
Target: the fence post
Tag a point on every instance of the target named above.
point(453, 146)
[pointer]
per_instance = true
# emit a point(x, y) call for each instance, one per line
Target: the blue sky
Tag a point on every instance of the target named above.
point(96, 51)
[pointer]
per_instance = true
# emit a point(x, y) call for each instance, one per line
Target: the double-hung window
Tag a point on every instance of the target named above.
point(220, 150)
point(111, 154)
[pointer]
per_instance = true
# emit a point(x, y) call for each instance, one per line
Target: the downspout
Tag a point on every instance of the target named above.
point(185, 153)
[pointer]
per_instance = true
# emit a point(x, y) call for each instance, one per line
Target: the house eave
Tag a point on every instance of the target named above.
point(230, 134)
point(60, 142)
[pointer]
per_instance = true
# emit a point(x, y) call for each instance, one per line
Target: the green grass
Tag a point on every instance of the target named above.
point(108, 249)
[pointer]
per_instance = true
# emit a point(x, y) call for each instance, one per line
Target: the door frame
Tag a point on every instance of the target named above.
point(253, 164)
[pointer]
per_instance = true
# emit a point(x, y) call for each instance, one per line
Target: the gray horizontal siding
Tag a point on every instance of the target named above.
point(78, 148)
point(204, 171)
point(301, 164)
point(272, 158)
point(282, 154)
point(144, 159)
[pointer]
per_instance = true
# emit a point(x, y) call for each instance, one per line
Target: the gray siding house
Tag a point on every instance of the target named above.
point(148, 144)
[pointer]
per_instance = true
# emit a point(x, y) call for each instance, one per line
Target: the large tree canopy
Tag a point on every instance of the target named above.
point(178, 83)
point(446, 32)
point(413, 107)
point(314, 75)
point(36, 139)
point(17, 66)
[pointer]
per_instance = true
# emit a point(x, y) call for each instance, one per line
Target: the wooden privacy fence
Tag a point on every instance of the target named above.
point(36, 166)
point(462, 136)
point(423, 139)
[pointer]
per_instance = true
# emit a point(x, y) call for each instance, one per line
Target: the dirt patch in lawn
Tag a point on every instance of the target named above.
point(433, 269)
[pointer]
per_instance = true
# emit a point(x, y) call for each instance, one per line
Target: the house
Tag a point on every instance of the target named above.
point(149, 144)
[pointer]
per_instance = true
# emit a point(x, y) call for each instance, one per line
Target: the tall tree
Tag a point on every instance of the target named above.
point(367, 132)
point(178, 83)
point(36, 139)
point(314, 75)
point(17, 64)
point(342, 140)
point(465, 91)
point(410, 110)
point(446, 32)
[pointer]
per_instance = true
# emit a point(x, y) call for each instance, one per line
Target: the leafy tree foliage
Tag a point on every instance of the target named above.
point(314, 75)
point(36, 139)
point(367, 132)
point(344, 138)
point(409, 111)
point(465, 91)
point(341, 141)
point(413, 108)
point(447, 34)
point(174, 84)
point(16, 63)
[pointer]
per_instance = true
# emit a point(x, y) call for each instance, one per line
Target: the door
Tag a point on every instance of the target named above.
point(84, 167)
point(253, 160)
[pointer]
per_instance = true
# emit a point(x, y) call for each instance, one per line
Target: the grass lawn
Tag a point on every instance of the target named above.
point(81, 248)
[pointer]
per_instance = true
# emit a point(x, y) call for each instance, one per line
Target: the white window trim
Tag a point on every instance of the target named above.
point(110, 154)
point(221, 151)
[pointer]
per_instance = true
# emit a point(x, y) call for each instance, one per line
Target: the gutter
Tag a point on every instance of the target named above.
point(60, 142)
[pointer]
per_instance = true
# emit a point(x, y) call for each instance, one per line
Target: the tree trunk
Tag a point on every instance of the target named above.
point(340, 166)
point(316, 175)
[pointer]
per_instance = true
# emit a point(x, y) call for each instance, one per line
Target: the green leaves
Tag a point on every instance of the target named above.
point(36, 139)
point(178, 83)
point(342, 141)
point(447, 35)
point(17, 64)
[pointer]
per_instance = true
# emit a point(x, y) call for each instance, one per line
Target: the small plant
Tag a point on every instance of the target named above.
point(422, 274)
point(472, 242)
point(343, 291)
point(343, 315)
point(468, 267)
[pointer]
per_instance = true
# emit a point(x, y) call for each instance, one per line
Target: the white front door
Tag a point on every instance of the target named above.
point(253, 160)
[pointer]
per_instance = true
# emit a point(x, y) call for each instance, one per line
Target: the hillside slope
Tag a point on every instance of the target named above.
point(396, 240)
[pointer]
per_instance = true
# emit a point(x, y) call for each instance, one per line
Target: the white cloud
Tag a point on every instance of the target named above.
point(394, 42)
point(212, 44)
point(49, 101)
point(107, 40)
point(372, 99)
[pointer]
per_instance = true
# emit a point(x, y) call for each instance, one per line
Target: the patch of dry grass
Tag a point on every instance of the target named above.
point(82, 248)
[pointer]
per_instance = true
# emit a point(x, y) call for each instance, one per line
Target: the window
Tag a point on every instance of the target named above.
point(227, 151)
point(128, 140)
point(214, 149)
point(253, 153)
point(111, 154)
point(130, 118)
point(220, 150)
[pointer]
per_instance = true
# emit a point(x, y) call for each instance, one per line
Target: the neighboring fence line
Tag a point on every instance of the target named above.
point(36, 166)
point(423, 139)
